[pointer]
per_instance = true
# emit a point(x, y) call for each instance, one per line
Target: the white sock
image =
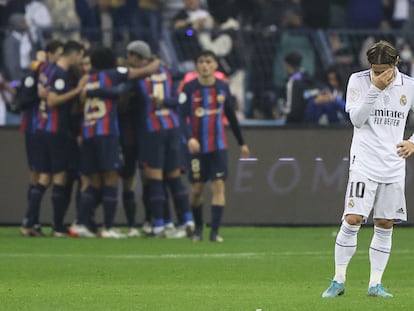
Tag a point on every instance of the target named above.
point(379, 252)
point(345, 247)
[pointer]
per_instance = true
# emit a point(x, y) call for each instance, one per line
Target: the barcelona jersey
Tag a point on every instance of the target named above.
point(205, 106)
point(158, 84)
point(100, 113)
point(53, 119)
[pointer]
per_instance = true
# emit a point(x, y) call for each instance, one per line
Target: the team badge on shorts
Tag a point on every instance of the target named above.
point(351, 203)
point(403, 100)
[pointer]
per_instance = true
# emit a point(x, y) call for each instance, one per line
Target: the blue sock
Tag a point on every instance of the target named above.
point(109, 202)
point(128, 200)
point(36, 196)
point(181, 201)
point(216, 213)
point(156, 201)
point(59, 201)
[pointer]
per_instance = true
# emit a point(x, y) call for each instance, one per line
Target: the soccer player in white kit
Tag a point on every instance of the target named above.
point(378, 101)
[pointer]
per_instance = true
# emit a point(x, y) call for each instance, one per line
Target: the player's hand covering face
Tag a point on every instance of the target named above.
point(382, 75)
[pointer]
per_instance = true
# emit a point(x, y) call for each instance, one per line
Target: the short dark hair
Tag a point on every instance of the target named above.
point(53, 45)
point(206, 53)
point(103, 58)
point(72, 46)
point(294, 59)
point(382, 52)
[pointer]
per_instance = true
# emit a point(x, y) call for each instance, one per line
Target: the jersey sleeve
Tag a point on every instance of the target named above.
point(59, 82)
point(231, 117)
point(359, 103)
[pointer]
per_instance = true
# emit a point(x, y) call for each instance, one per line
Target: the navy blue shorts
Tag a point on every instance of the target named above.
point(100, 154)
point(52, 153)
point(161, 150)
point(73, 155)
point(30, 140)
point(210, 166)
point(129, 160)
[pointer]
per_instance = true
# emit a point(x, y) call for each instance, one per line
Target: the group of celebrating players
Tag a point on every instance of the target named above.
point(90, 119)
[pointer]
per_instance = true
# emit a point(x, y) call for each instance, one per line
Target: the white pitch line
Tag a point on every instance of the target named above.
point(251, 255)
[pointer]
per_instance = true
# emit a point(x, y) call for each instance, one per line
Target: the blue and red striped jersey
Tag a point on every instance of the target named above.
point(100, 117)
point(158, 84)
point(205, 106)
point(54, 119)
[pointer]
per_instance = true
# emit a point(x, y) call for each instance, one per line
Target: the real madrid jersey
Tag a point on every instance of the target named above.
point(379, 119)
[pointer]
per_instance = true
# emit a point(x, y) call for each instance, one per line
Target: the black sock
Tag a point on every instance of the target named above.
point(145, 201)
point(109, 202)
point(198, 216)
point(59, 201)
point(26, 215)
point(88, 201)
point(216, 213)
point(181, 201)
point(167, 210)
point(128, 200)
point(34, 205)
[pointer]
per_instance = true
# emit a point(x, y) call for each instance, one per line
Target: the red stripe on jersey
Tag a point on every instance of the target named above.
point(23, 124)
point(196, 104)
point(55, 118)
point(108, 106)
point(212, 120)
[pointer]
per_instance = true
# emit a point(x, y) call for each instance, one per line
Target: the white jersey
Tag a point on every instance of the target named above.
point(379, 118)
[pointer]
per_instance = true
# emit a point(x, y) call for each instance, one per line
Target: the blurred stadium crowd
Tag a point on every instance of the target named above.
point(253, 39)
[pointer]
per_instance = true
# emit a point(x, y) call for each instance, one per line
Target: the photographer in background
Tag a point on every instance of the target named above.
point(7, 93)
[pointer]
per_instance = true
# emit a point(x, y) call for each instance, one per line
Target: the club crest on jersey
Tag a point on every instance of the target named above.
point(353, 94)
point(403, 100)
point(351, 203)
point(29, 82)
point(220, 98)
point(59, 84)
point(199, 112)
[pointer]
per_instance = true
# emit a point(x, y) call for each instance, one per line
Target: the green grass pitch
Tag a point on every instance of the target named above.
point(255, 268)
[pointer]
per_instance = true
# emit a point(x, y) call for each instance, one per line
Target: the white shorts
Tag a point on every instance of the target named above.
point(364, 195)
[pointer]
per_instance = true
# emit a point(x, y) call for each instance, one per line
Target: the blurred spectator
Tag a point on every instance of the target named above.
point(338, 11)
point(192, 16)
point(65, 19)
point(17, 48)
point(271, 13)
point(37, 18)
point(316, 16)
point(294, 38)
point(186, 24)
point(145, 22)
point(400, 13)
point(299, 89)
point(8, 8)
point(366, 14)
point(103, 25)
point(406, 62)
point(328, 106)
point(7, 93)
point(342, 56)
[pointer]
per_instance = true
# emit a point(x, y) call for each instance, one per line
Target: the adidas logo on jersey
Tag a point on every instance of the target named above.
point(400, 211)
